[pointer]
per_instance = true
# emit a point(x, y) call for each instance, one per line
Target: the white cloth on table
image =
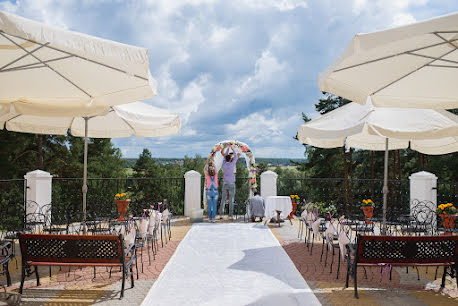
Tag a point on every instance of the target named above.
point(343, 241)
point(281, 203)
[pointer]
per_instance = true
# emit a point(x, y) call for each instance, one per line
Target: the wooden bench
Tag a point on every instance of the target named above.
point(402, 251)
point(75, 250)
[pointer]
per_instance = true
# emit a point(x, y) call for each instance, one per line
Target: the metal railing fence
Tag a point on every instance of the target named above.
point(12, 203)
point(347, 194)
point(143, 192)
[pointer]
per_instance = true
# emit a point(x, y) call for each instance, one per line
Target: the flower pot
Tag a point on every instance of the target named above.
point(122, 209)
point(291, 215)
point(368, 211)
point(448, 221)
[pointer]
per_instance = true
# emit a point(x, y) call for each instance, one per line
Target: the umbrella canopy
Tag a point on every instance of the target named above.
point(367, 127)
point(136, 118)
point(47, 66)
point(412, 66)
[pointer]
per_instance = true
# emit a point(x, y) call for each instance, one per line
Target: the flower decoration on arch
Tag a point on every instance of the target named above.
point(244, 149)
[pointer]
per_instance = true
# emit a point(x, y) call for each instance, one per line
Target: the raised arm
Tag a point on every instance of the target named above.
point(223, 151)
point(205, 168)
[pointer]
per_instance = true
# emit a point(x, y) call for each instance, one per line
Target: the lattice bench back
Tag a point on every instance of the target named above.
point(71, 248)
point(413, 249)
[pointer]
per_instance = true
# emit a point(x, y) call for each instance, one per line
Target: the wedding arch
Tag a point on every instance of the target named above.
point(239, 147)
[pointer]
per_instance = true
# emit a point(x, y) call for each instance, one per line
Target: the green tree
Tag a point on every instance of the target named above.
point(146, 166)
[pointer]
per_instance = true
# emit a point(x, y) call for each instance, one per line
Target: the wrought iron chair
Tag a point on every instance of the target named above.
point(6, 255)
point(151, 234)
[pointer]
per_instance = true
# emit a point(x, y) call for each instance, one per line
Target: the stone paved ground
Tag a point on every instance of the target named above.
point(404, 288)
point(79, 287)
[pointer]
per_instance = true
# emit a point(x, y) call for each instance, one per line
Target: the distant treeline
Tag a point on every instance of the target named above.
point(130, 162)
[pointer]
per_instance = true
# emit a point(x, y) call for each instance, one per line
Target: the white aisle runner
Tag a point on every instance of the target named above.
point(230, 264)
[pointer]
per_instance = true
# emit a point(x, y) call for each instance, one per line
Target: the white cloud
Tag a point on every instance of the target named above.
point(188, 132)
point(268, 72)
point(403, 19)
point(220, 35)
point(359, 6)
point(191, 98)
point(282, 5)
point(260, 127)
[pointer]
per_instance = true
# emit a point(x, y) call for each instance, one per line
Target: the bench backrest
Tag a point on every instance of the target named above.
point(72, 248)
point(410, 249)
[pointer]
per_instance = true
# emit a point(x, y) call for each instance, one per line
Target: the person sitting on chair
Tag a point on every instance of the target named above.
point(256, 206)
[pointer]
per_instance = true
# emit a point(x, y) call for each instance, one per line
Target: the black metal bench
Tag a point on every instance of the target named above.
point(75, 250)
point(402, 251)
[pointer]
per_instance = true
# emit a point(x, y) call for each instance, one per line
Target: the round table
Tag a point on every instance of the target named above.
point(280, 206)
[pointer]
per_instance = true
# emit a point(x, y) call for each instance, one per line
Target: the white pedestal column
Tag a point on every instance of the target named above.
point(39, 190)
point(423, 187)
point(192, 192)
point(268, 184)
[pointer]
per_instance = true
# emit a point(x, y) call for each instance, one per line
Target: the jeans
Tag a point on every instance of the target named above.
point(228, 188)
point(212, 199)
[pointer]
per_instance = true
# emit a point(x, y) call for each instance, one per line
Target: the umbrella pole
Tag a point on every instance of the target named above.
point(385, 187)
point(86, 123)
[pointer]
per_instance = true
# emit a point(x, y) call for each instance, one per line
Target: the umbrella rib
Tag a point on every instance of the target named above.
point(394, 55)
point(55, 71)
point(437, 34)
point(21, 57)
point(12, 118)
point(35, 65)
point(112, 109)
point(413, 71)
point(80, 57)
point(24, 68)
point(435, 58)
point(443, 66)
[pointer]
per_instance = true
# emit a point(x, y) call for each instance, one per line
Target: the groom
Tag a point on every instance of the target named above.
point(229, 162)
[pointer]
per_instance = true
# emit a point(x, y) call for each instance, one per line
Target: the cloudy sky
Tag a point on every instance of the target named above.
point(238, 69)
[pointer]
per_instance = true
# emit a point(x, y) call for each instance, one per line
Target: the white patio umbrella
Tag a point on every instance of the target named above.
point(139, 119)
point(51, 67)
point(367, 127)
point(414, 66)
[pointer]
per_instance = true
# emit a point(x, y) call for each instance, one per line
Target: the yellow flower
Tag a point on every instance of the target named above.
point(117, 195)
point(123, 194)
point(365, 201)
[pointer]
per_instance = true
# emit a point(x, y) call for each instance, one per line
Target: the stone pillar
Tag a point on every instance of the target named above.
point(192, 192)
point(423, 187)
point(39, 190)
point(268, 184)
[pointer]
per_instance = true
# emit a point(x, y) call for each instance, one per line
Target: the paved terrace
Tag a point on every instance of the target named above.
point(78, 287)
